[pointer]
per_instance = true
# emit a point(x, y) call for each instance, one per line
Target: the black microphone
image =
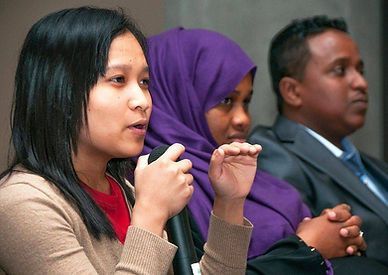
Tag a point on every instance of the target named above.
point(179, 232)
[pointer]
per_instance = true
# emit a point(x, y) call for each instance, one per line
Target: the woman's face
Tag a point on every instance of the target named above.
point(230, 120)
point(119, 104)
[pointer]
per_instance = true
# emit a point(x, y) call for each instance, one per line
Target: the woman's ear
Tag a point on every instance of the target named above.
point(290, 91)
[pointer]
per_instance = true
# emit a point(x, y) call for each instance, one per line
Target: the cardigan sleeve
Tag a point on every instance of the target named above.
point(226, 248)
point(146, 254)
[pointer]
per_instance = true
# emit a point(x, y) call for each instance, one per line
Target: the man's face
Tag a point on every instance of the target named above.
point(333, 90)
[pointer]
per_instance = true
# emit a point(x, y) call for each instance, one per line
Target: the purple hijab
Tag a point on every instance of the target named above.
point(191, 72)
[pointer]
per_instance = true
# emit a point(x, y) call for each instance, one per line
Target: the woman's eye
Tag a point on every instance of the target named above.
point(145, 82)
point(226, 101)
point(118, 79)
point(247, 102)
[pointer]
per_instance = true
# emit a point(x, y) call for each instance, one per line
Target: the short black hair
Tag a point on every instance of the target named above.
point(289, 52)
point(62, 58)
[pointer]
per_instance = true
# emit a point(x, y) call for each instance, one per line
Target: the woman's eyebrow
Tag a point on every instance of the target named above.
point(125, 67)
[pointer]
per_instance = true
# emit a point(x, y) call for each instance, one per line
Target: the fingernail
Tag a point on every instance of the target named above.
point(331, 214)
point(344, 232)
point(350, 250)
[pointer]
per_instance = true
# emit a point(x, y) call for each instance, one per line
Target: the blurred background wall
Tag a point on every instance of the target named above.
point(251, 23)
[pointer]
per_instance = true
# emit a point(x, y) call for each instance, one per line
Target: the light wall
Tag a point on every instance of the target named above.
point(252, 23)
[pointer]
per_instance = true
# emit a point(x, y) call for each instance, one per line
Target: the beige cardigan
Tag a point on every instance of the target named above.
point(41, 233)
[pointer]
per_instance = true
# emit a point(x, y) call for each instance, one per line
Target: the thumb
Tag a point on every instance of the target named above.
point(142, 162)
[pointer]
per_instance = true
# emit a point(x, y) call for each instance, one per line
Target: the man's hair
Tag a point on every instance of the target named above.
point(62, 58)
point(289, 51)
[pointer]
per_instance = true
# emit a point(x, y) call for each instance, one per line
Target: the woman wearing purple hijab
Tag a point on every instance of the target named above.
point(198, 76)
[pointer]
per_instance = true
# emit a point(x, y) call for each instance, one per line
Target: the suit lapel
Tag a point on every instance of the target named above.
point(301, 143)
point(379, 170)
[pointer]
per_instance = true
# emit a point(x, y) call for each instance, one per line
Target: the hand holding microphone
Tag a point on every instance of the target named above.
point(162, 189)
point(178, 228)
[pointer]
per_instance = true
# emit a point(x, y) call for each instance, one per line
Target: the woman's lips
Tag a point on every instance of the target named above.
point(138, 129)
point(237, 138)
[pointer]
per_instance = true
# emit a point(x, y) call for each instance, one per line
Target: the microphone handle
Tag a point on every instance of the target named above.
point(179, 233)
point(178, 229)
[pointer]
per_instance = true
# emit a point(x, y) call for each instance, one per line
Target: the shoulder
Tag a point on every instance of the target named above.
point(23, 180)
point(24, 195)
point(262, 132)
point(276, 158)
point(24, 184)
point(265, 136)
point(271, 144)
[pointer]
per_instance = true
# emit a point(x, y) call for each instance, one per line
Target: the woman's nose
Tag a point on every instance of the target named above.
point(139, 98)
point(241, 118)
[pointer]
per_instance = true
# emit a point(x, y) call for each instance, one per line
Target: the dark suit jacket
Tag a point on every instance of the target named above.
point(290, 153)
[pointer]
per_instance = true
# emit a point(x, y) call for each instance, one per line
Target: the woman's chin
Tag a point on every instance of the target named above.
point(131, 152)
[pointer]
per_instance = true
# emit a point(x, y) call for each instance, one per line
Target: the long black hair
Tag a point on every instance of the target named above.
point(62, 58)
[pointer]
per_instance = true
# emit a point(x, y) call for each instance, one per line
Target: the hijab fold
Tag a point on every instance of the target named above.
point(191, 71)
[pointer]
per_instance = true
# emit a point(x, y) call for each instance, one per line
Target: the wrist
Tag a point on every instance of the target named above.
point(229, 210)
point(312, 244)
point(149, 219)
point(308, 241)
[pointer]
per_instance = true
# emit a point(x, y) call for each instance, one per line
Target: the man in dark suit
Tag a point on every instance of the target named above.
point(317, 75)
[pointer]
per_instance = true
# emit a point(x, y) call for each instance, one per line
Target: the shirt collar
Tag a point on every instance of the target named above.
point(330, 146)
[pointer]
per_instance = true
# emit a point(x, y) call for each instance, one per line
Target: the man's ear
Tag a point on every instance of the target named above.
point(289, 89)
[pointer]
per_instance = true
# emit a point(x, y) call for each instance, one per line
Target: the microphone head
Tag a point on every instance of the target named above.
point(157, 152)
